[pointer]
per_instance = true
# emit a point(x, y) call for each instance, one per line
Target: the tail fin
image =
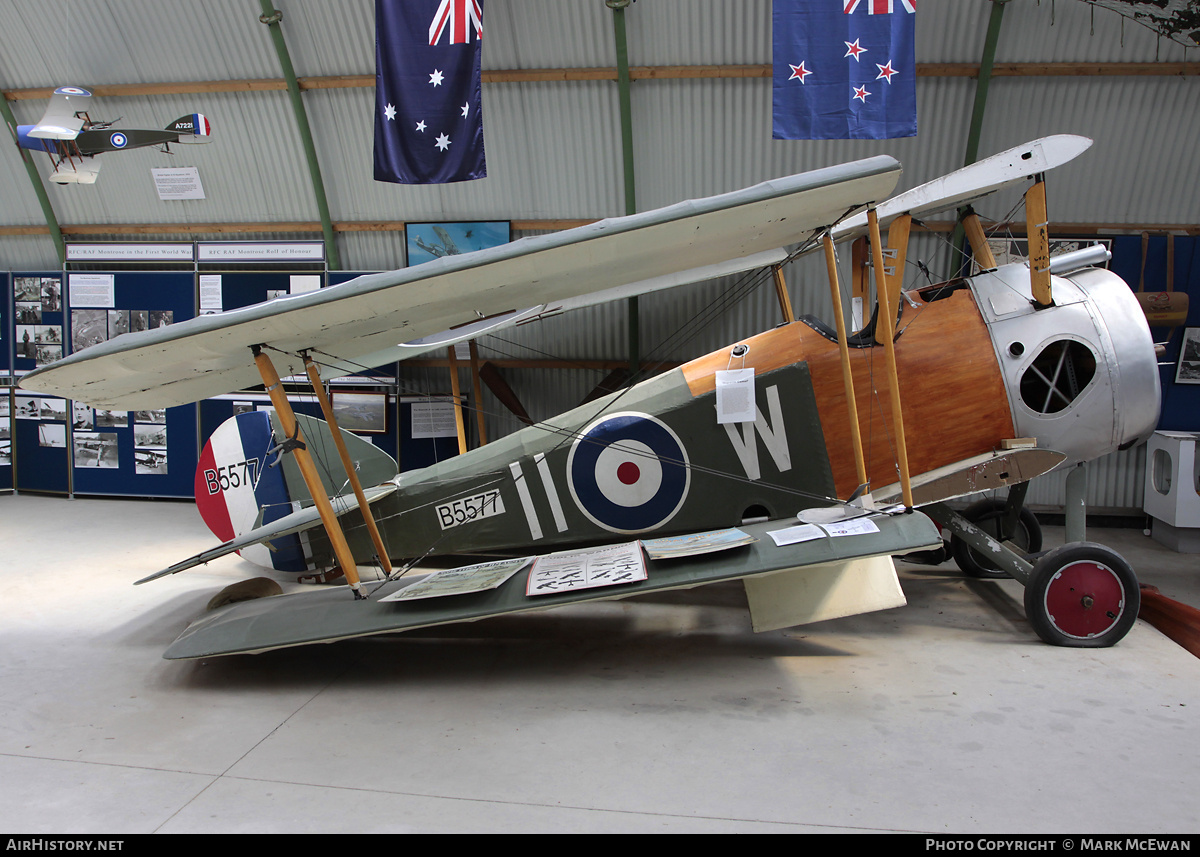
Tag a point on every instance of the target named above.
point(241, 485)
point(193, 128)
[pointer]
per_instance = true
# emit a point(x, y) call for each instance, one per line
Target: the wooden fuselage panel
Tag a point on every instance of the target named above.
point(954, 401)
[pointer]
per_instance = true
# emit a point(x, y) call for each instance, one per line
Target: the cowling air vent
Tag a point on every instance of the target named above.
point(1057, 376)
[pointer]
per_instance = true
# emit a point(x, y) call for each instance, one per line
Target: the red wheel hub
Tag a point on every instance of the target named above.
point(1085, 599)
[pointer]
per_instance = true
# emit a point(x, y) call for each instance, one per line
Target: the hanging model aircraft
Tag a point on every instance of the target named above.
point(793, 460)
point(73, 140)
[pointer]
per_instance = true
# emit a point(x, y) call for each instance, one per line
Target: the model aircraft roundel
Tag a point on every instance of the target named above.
point(628, 473)
point(118, 140)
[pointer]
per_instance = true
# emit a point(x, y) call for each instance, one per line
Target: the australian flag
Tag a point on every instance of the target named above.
point(428, 112)
point(844, 69)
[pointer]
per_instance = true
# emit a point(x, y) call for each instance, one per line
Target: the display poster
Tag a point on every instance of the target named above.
point(91, 290)
point(460, 581)
point(586, 569)
point(433, 419)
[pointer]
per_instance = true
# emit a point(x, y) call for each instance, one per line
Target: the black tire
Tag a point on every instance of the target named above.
point(1082, 595)
point(988, 515)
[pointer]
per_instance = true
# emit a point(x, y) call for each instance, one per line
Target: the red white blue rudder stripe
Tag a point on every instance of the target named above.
point(628, 473)
point(233, 482)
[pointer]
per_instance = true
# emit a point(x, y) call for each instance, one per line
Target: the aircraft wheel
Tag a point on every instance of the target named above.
point(988, 515)
point(1082, 595)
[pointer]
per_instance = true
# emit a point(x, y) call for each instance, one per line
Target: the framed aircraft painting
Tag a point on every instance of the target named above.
point(428, 241)
point(360, 412)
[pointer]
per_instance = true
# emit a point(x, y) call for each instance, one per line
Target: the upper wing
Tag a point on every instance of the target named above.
point(369, 316)
point(972, 181)
point(59, 122)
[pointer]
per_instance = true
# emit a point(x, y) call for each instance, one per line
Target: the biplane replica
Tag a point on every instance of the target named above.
point(750, 463)
point(73, 139)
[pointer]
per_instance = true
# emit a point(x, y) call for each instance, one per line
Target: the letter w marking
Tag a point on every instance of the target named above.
point(773, 435)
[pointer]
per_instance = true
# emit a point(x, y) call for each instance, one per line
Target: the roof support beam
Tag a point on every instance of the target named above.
point(271, 18)
point(682, 72)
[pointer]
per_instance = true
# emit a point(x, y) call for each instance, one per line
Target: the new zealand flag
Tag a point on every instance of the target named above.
point(428, 112)
point(844, 69)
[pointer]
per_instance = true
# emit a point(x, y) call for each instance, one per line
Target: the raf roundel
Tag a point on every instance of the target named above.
point(628, 473)
point(118, 140)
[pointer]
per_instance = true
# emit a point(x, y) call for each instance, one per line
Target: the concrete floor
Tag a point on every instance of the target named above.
point(648, 715)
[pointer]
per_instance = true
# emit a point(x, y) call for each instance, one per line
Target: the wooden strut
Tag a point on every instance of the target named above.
point(314, 378)
point(898, 252)
point(785, 300)
point(1037, 230)
point(887, 321)
point(457, 392)
point(977, 238)
point(844, 350)
point(308, 469)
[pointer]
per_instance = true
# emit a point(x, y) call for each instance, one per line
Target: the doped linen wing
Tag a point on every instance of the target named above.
point(370, 316)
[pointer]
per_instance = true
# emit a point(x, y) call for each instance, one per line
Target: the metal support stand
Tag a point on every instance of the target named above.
point(1075, 529)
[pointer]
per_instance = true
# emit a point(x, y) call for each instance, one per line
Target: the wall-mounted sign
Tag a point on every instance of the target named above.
point(261, 251)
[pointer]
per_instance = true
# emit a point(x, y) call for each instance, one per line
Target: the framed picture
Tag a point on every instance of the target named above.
point(425, 242)
point(1188, 370)
point(360, 412)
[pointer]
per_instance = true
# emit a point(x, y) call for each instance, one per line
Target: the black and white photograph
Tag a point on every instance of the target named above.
point(118, 322)
point(27, 407)
point(158, 416)
point(26, 341)
point(150, 436)
point(161, 318)
point(150, 461)
point(48, 354)
point(88, 327)
point(52, 434)
point(52, 408)
point(111, 419)
point(27, 290)
point(1188, 370)
point(51, 291)
point(360, 412)
point(139, 319)
point(96, 449)
point(82, 416)
point(28, 313)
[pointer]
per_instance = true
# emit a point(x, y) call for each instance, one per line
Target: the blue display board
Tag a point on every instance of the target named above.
point(130, 453)
point(1181, 402)
point(40, 434)
point(6, 381)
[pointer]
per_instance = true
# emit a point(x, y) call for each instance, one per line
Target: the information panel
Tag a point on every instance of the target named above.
point(39, 443)
point(149, 453)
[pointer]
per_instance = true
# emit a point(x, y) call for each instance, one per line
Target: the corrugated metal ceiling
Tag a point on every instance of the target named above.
point(553, 148)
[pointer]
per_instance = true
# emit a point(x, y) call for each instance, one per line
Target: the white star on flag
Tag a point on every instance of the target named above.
point(443, 142)
point(421, 126)
point(437, 77)
point(390, 112)
point(466, 109)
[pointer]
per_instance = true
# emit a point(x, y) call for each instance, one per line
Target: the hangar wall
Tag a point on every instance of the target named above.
point(554, 145)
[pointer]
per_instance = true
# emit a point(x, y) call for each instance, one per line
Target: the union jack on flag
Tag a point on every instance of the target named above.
point(880, 7)
point(428, 107)
point(459, 18)
point(841, 76)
